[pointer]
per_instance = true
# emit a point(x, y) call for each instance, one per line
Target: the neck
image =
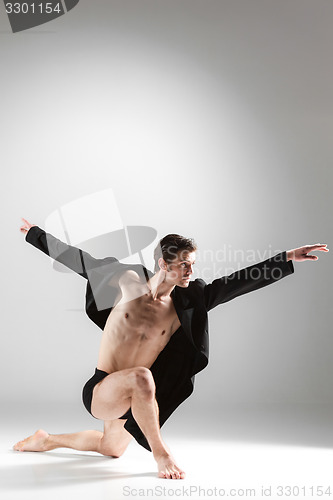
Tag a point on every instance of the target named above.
point(159, 287)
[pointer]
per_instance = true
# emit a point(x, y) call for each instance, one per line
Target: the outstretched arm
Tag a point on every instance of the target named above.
point(72, 257)
point(257, 276)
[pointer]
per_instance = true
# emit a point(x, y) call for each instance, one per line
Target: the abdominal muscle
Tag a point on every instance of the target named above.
point(136, 332)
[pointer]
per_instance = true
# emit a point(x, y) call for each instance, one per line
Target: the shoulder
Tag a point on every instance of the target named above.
point(129, 276)
point(130, 273)
point(198, 282)
point(196, 286)
point(193, 294)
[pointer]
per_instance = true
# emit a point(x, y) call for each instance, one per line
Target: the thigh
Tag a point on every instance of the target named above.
point(112, 396)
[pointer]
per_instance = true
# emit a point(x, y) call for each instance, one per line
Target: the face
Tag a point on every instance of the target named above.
point(179, 270)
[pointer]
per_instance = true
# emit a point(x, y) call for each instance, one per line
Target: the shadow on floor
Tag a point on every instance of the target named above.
point(294, 425)
point(50, 472)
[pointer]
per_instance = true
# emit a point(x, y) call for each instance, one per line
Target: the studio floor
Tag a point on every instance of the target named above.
point(242, 453)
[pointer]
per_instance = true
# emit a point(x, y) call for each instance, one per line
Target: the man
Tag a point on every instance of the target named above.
point(155, 339)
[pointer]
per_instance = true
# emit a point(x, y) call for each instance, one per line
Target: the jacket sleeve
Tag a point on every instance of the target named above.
point(72, 257)
point(247, 280)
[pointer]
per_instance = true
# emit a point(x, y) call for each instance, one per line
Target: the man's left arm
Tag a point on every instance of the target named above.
point(257, 276)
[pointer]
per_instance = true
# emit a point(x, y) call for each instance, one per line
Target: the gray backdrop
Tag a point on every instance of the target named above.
point(208, 118)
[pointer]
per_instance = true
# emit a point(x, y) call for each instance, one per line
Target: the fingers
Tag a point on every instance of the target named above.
point(26, 226)
point(318, 246)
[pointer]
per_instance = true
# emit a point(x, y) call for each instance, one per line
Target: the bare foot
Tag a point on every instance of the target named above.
point(37, 442)
point(168, 469)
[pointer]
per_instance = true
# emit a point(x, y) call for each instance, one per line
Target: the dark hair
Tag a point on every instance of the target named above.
point(169, 246)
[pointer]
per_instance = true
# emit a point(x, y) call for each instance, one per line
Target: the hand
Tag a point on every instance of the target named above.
point(26, 226)
point(301, 253)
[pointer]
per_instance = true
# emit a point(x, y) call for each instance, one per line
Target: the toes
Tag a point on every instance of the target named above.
point(171, 471)
point(175, 475)
point(17, 446)
point(172, 474)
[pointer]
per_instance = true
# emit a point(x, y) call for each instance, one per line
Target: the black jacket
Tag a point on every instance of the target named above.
point(187, 351)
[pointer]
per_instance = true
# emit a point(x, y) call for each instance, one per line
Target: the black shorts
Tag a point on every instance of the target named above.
point(87, 391)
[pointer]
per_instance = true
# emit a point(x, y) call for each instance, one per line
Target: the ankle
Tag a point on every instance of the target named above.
point(47, 444)
point(161, 453)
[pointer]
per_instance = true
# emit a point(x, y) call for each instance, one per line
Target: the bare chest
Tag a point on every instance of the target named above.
point(146, 318)
point(136, 332)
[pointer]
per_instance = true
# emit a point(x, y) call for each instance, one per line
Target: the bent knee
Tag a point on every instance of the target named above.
point(111, 451)
point(143, 380)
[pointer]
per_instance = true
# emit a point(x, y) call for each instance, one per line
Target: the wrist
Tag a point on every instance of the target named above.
point(290, 255)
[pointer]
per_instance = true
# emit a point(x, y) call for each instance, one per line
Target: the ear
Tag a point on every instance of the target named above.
point(162, 264)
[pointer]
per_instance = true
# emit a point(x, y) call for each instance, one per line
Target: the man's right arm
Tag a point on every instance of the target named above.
point(75, 259)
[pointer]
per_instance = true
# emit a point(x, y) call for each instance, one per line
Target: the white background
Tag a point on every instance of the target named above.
point(211, 119)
